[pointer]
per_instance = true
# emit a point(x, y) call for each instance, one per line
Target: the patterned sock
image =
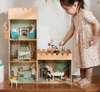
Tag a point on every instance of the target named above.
point(82, 73)
point(87, 79)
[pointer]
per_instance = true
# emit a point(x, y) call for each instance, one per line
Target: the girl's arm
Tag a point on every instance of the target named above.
point(68, 35)
point(96, 25)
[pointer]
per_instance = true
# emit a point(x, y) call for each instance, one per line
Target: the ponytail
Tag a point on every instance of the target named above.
point(81, 4)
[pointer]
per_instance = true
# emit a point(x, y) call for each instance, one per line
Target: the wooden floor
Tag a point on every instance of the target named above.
point(74, 87)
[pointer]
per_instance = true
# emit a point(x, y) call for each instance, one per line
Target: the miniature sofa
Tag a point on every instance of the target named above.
point(14, 34)
point(32, 35)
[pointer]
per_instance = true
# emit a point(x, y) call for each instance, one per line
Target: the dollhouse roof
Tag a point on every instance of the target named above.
point(22, 13)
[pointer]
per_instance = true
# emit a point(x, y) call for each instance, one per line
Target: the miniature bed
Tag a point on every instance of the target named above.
point(24, 55)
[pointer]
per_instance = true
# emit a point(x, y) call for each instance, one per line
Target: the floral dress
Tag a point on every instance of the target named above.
point(85, 55)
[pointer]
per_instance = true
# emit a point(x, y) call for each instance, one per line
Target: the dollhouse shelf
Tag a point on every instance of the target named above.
point(47, 55)
point(24, 61)
point(23, 39)
point(22, 13)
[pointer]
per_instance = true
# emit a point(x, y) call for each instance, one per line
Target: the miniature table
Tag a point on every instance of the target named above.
point(13, 81)
point(57, 74)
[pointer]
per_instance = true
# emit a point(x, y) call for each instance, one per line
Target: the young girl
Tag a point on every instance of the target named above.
point(84, 29)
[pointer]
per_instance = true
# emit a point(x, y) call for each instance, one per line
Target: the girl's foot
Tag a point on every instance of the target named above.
point(84, 81)
point(76, 79)
point(87, 79)
point(82, 74)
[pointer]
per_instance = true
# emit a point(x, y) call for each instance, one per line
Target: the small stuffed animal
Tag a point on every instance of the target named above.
point(20, 69)
point(33, 71)
point(33, 27)
point(12, 74)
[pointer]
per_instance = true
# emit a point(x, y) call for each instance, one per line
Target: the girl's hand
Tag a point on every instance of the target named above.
point(95, 39)
point(62, 43)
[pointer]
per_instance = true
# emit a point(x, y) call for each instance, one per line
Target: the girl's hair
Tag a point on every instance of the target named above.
point(71, 2)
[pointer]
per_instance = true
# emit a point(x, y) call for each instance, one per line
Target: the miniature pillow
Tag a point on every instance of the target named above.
point(14, 30)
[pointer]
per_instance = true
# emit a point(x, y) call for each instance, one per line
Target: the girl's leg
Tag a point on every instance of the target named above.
point(82, 74)
point(88, 77)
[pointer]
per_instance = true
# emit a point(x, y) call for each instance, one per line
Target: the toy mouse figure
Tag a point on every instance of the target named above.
point(33, 27)
point(56, 48)
point(49, 70)
point(6, 27)
point(33, 72)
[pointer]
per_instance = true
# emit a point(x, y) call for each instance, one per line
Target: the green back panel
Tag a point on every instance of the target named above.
point(61, 65)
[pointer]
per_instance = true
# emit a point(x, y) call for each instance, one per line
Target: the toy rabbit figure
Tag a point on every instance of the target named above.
point(33, 27)
point(6, 30)
point(49, 70)
point(5, 26)
point(33, 72)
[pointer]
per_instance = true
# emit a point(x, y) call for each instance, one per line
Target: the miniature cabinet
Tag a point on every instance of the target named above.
point(22, 50)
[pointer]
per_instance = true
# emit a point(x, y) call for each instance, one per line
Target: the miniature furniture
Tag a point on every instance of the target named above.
point(27, 74)
point(13, 81)
point(21, 74)
point(1, 73)
point(32, 35)
point(14, 34)
point(22, 50)
point(24, 55)
point(57, 74)
point(47, 55)
point(63, 80)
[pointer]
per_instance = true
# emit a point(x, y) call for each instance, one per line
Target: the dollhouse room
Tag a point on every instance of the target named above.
point(34, 55)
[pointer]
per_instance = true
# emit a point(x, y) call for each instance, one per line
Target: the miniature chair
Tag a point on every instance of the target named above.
point(32, 35)
point(14, 34)
point(63, 80)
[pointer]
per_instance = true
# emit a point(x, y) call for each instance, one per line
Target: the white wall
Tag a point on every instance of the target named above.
point(53, 23)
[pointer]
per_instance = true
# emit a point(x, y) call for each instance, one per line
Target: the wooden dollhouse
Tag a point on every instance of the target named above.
point(23, 52)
